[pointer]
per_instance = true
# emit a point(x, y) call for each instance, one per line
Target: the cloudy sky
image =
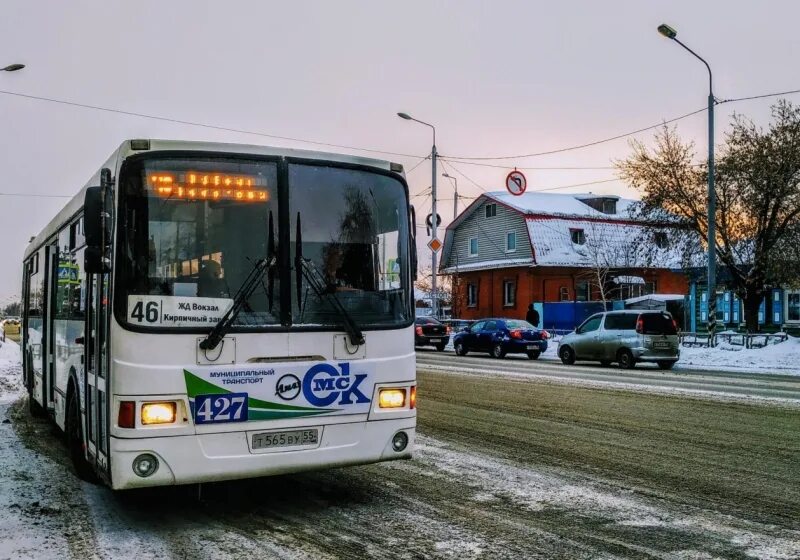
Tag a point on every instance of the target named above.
point(497, 78)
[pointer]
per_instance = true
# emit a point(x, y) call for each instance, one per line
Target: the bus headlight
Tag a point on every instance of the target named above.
point(159, 412)
point(391, 398)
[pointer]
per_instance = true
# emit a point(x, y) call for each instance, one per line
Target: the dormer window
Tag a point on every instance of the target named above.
point(604, 204)
point(491, 210)
point(578, 236)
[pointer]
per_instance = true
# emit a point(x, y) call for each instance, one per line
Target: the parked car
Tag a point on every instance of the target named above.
point(430, 332)
point(626, 337)
point(499, 337)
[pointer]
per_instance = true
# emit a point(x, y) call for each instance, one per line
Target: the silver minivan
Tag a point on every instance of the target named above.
point(626, 337)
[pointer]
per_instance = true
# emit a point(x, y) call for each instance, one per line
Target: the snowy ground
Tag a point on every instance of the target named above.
point(10, 373)
point(782, 358)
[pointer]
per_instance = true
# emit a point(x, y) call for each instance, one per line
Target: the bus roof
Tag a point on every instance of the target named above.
point(125, 150)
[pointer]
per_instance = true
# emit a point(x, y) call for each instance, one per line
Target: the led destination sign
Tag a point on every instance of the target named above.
point(207, 186)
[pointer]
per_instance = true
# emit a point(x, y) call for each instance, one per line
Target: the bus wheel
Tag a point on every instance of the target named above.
point(75, 439)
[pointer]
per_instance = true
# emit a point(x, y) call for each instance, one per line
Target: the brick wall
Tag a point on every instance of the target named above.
point(541, 284)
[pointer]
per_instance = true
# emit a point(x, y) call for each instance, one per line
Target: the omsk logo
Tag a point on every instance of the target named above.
point(288, 387)
point(324, 383)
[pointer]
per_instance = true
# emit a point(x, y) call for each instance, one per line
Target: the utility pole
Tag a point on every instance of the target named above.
point(455, 193)
point(670, 33)
point(434, 154)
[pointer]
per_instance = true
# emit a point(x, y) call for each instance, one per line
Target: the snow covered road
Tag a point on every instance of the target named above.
point(505, 468)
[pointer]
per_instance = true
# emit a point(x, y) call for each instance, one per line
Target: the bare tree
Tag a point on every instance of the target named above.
point(758, 199)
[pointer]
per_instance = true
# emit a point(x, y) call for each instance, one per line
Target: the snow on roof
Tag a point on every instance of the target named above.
point(607, 244)
point(656, 297)
point(497, 263)
point(560, 204)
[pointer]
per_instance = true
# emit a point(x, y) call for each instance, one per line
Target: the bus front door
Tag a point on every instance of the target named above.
point(97, 405)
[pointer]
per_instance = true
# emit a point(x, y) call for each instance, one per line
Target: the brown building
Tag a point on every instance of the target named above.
point(505, 252)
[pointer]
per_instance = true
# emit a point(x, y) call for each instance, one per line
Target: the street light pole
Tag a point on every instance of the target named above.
point(455, 193)
point(670, 33)
point(434, 154)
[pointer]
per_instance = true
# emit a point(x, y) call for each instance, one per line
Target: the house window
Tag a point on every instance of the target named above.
point(563, 293)
point(660, 239)
point(511, 242)
point(472, 295)
point(491, 210)
point(582, 291)
point(509, 293)
point(578, 236)
point(793, 307)
point(473, 246)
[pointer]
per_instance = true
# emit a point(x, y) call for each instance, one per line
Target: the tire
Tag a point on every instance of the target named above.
point(441, 347)
point(534, 355)
point(567, 355)
point(605, 363)
point(74, 433)
point(665, 364)
point(498, 352)
point(461, 350)
point(626, 359)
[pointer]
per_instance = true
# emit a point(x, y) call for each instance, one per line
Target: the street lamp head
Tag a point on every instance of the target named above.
point(448, 176)
point(405, 116)
point(667, 31)
point(13, 67)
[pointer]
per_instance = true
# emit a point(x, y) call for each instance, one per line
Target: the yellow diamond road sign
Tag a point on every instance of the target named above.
point(434, 245)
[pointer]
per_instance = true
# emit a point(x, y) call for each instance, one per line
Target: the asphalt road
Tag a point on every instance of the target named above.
point(506, 467)
point(644, 376)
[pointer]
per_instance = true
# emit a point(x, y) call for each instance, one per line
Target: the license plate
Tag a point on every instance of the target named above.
point(290, 438)
point(230, 407)
point(435, 340)
point(532, 347)
point(661, 345)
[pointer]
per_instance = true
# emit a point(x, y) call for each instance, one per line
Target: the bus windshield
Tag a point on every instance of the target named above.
point(191, 230)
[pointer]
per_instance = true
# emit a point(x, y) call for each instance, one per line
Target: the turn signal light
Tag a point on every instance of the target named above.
point(516, 334)
point(127, 414)
point(545, 335)
point(418, 330)
point(158, 412)
point(412, 399)
point(391, 398)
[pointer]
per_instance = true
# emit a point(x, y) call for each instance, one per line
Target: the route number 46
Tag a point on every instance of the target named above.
point(145, 312)
point(231, 407)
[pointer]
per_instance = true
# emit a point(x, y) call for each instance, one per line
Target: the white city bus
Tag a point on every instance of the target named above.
point(203, 312)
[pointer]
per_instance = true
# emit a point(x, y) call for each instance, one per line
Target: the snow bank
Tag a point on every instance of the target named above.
point(10, 371)
point(783, 358)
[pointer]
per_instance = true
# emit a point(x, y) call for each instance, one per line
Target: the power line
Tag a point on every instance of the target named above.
point(202, 125)
point(586, 145)
point(33, 195)
point(619, 136)
point(509, 167)
point(720, 102)
point(451, 165)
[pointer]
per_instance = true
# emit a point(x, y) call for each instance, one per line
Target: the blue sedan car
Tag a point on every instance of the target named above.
point(499, 337)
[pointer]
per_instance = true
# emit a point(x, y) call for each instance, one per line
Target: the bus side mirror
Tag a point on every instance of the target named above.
point(97, 229)
point(413, 248)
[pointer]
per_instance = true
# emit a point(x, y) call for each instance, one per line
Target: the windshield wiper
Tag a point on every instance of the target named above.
point(305, 268)
point(247, 288)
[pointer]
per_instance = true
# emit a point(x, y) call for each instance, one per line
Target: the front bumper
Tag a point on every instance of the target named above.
point(226, 456)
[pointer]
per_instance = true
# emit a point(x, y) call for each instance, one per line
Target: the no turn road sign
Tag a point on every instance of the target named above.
point(516, 183)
